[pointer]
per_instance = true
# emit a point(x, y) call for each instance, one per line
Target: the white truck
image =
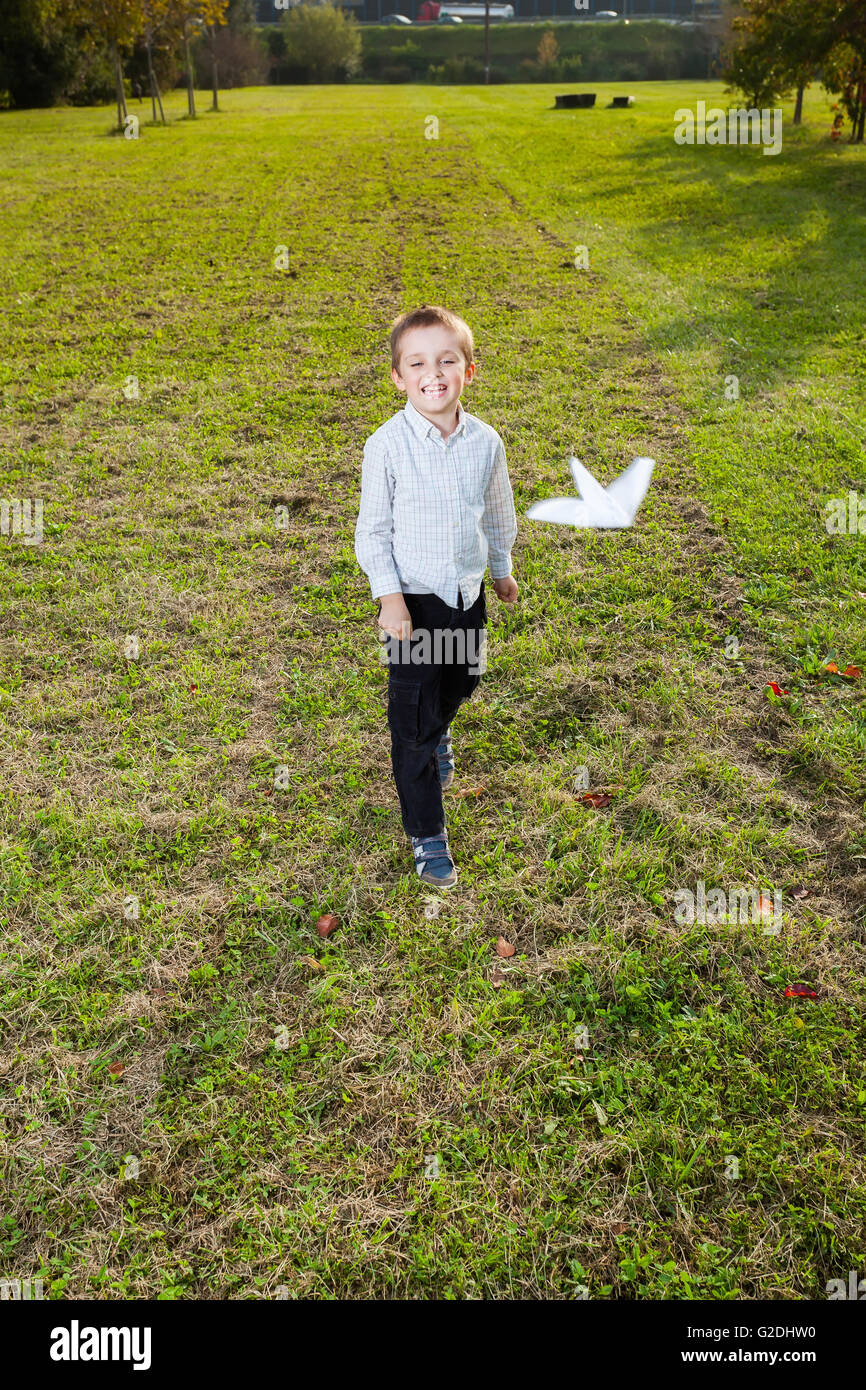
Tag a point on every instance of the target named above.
point(431, 10)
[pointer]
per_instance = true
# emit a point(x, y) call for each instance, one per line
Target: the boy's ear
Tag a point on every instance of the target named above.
point(397, 379)
point(470, 370)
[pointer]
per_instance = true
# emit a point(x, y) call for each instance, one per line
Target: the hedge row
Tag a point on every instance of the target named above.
point(600, 52)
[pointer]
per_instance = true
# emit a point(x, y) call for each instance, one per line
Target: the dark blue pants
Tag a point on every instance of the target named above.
point(423, 698)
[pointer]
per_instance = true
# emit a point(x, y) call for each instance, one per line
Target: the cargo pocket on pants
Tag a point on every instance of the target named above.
point(404, 710)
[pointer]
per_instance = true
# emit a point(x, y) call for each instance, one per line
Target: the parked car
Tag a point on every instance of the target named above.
point(395, 19)
point(605, 14)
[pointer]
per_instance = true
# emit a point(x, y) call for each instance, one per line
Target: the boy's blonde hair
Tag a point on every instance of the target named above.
point(428, 316)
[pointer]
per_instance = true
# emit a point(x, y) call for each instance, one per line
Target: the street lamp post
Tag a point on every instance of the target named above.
point(486, 41)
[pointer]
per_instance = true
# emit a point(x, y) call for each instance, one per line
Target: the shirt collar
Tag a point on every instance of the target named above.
point(422, 426)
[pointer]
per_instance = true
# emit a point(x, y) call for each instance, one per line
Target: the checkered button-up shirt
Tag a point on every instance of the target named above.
point(434, 512)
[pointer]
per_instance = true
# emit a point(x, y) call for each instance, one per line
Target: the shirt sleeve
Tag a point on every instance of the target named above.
point(499, 522)
point(375, 524)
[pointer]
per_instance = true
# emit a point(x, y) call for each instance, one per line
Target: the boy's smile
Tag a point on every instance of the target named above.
point(433, 372)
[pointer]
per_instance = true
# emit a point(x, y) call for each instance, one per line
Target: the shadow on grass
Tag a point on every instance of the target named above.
point(808, 287)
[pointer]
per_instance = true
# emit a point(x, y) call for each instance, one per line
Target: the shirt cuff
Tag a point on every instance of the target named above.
point(386, 584)
point(501, 569)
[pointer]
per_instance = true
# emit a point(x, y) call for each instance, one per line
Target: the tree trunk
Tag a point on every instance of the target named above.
point(118, 83)
point(190, 92)
point(798, 105)
point(154, 85)
point(213, 59)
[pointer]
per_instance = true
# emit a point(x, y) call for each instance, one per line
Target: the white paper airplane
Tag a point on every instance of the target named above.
point(599, 507)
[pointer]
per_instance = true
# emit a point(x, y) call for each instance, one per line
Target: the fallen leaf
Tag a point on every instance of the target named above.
point(158, 992)
point(432, 908)
point(800, 992)
point(468, 791)
point(327, 924)
point(800, 892)
point(771, 685)
point(117, 1069)
point(596, 799)
point(618, 1228)
point(497, 979)
point(312, 962)
point(832, 668)
point(852, 672)
point(504, 948)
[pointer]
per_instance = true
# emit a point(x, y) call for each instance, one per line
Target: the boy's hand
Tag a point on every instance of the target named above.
point(395, 618)
point(506, 589)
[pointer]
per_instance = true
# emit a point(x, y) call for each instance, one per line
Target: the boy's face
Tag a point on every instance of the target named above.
point(432, 371)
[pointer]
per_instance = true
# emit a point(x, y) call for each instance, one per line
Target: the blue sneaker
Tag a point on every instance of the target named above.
point(433, 862)
point(445, 754)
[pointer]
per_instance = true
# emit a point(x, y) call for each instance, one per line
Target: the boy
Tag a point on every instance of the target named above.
point(436, 505)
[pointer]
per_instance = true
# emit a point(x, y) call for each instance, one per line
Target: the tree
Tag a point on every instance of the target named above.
point(845, 74)
point(116, 23)
point(548, 50)
point(322, 40)
point(189, 19)
point(40, 57)
point(780, 44)
point(155, 14)
point(758, 59)
point(844, 70)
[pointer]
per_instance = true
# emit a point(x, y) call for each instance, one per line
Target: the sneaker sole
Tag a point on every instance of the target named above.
point(437, 882)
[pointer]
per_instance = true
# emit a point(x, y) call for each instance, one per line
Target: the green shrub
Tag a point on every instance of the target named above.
point(322, 42)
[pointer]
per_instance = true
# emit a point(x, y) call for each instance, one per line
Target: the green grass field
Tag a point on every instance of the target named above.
point(277, 1100)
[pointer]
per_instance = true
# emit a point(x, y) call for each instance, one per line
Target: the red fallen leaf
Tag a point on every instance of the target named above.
point(468, 791)
point(193, 687)
point(596, 799)
point(117, 1069)
point(771, 685)
point(269, 791)
point(800, 992)
point(852, 672)
point(831, 667)
point(327, 924)
point(504, 948)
